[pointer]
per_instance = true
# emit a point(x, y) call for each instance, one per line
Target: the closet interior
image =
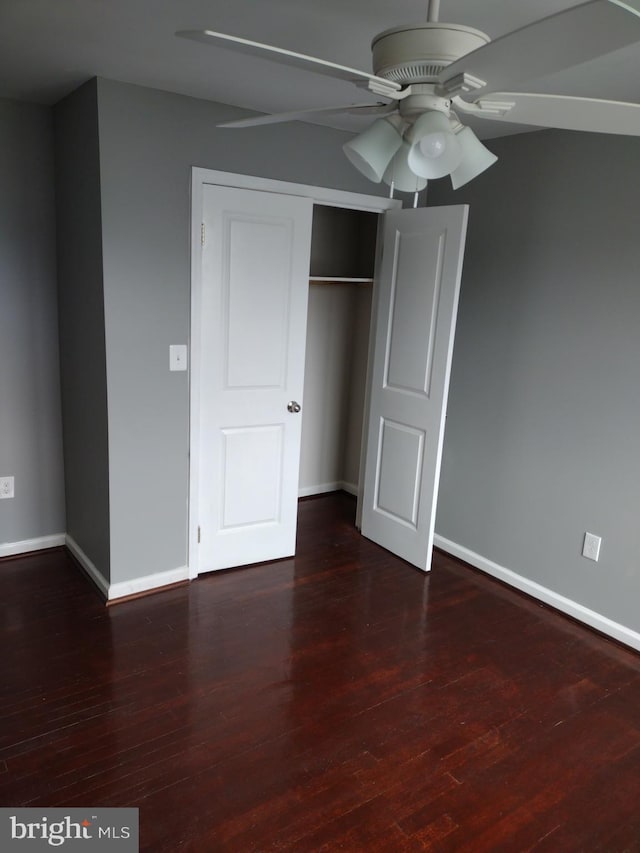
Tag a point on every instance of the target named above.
point(343, 254)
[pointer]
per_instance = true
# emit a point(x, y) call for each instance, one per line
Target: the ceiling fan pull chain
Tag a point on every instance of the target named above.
point(433, 11)
point(391, 188)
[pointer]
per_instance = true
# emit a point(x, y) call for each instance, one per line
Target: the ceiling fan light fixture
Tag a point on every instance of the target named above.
point(400, 175)
point(372, 150)
point(435, 150)
point(475, 158)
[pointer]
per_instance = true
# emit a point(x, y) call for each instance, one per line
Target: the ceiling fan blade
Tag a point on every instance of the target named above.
point(288, 57)
point(561, 111)
point(301, 115)
point(551, 44)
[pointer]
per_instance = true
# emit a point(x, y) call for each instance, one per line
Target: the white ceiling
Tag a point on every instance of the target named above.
point(49, 47)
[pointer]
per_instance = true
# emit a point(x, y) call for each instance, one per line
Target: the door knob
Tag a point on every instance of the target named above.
point(293, 407)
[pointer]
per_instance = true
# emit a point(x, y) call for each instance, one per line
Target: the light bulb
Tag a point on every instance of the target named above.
point(435, 151)
point(434, 145)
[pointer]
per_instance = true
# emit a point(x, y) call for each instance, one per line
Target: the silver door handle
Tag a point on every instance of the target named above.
point(293, 407)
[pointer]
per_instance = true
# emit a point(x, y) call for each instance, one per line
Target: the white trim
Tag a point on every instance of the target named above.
point(112, 591)
point(200, 177)
point(320, 489)
point(319, 195)
point(350, 488)
point(572, 608)
point(96, 576)
point(147, 582)
point(323, 488)
point(10, 549)
point(368, 381)
point(195, 346)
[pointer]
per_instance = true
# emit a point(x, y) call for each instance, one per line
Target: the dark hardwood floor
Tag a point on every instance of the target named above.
point(338, 701)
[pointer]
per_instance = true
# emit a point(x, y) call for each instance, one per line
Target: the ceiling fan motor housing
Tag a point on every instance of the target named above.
point(417, 53)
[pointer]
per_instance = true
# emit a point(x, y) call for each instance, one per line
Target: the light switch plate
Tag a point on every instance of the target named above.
point(178, 357)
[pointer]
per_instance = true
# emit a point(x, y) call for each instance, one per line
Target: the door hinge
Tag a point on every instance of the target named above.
point(202, 234)
point(198, 534)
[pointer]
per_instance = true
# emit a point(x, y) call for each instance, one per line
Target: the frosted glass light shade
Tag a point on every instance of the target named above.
point(372, 150)
point(400, 175)
point(475, 158)
point(435, 150)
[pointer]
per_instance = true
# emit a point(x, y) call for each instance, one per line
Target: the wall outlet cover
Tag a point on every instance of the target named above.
point(6, 487)
point(591, 546)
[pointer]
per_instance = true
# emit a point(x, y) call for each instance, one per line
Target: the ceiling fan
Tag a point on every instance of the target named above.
point(429, 74)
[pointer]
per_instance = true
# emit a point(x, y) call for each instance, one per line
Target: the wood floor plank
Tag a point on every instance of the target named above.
point(339, 700)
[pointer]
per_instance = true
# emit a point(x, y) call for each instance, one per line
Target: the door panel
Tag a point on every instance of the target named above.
point(413, 313)
point(251, 453)
point(255, 268)
point(400, 451)
point(416, 311)
point(257, 295)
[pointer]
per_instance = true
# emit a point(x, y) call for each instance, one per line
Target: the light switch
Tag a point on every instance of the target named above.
point(178, 357)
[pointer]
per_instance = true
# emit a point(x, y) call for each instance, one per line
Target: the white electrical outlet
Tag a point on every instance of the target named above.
point(6, 487)
point(591, 547)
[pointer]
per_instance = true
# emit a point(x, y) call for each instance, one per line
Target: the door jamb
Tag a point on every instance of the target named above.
point(199, 178)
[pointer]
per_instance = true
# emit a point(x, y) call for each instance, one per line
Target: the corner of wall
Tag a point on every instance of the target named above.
point(82, 324)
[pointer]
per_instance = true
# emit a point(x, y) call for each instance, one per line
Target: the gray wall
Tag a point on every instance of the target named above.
point(30, 429)
point(357, 387)
point(331, 321)
point(148, 142)
point(82, 336)
point(542, 439)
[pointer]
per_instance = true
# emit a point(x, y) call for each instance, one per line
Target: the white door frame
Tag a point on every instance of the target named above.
point(200, 177)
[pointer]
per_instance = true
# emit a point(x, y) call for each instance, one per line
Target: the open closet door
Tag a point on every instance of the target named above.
point(253, 319)
point(416, 307)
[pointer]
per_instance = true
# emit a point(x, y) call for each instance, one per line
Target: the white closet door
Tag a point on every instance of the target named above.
point(416, 311)
point(255, 269)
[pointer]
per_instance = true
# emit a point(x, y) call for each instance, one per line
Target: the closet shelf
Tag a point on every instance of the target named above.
point(337, 279)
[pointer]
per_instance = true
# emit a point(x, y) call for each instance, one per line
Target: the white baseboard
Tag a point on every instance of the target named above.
point(147, 582)
point(96, 576)
point(350, 488)
point(113, 591)
point(320, 489)
point(323, 488)
point(10, 549)
point(542, 593)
